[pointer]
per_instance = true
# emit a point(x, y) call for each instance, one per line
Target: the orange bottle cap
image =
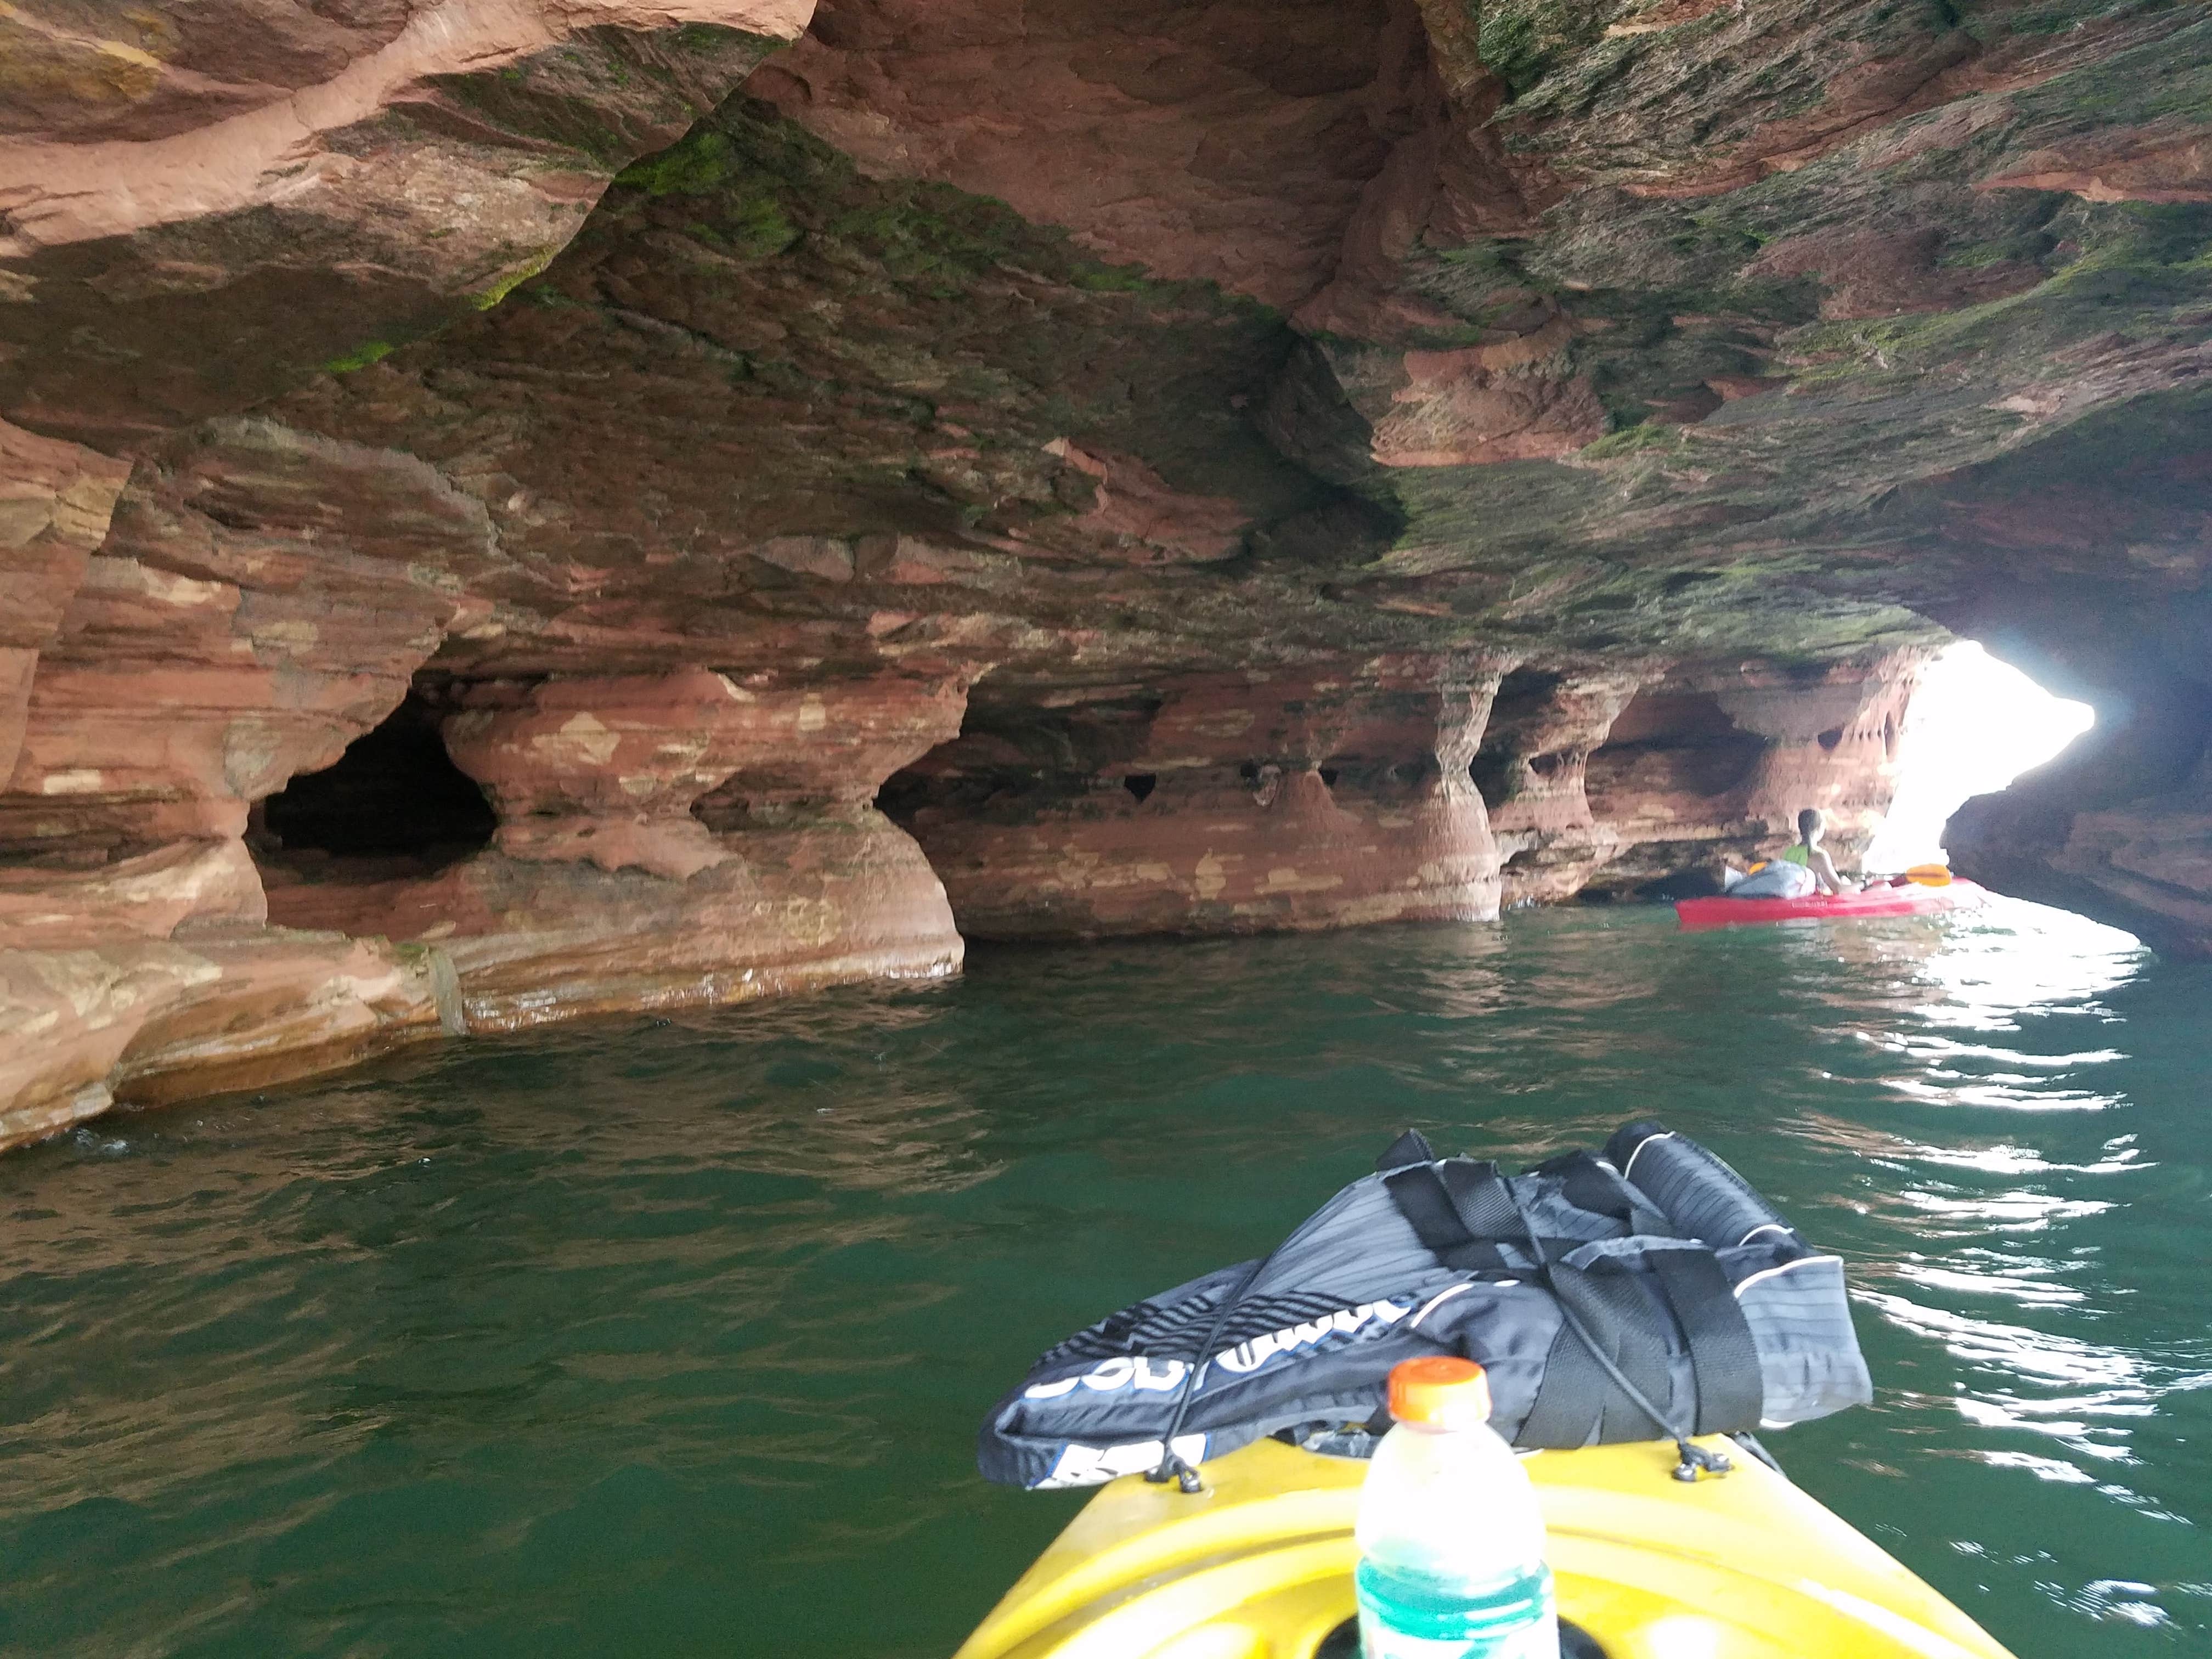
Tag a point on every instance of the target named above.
point(1439, 1388)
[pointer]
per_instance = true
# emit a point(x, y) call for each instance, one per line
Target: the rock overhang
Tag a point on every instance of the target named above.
point(1152, 381)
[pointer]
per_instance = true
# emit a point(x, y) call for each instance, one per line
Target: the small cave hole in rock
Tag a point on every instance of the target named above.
point(1974, 724)
point(1328, 775)
point(1140, 785)
point(1522, 698)
point(394, 794)
point(1494, 772)
point(1832, 736)
point(1548, 766)
point(741, 804)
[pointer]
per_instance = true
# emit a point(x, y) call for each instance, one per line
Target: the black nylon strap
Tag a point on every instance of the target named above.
point(1578, 1403)
point(1722, 1356)
point(1608, 1366)
point(1569, 1401)
point(1460, 1209)
point(1421, 1198)
point(1478, 1199)
point(1411, 1147)
point(1427, 1203)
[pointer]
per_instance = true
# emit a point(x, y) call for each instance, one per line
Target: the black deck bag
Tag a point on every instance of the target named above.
point(1704, 1301)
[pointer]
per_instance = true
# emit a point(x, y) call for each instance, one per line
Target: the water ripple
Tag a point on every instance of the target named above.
point(562, 1344)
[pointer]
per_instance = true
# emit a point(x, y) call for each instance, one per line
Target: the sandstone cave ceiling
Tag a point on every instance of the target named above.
point(1545, 433)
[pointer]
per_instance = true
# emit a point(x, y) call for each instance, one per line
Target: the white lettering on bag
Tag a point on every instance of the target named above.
point(1154, 1375)
point(1113, 1373)
point(1249, 1357)
point(1160, 1376)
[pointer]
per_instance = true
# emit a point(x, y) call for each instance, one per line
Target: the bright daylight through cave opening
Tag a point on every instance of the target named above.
point(1975, 724)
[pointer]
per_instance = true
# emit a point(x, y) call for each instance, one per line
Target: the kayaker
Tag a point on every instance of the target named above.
point(1798, 872)
point(1808, 852)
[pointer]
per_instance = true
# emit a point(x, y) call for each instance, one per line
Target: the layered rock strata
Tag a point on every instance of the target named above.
point(153, 1021)
point(195, 213)
point(214, 200)
point(1348, 462)
point(2123, 834)
point(1702, 765)
point(1217, 804)
point(663, 839)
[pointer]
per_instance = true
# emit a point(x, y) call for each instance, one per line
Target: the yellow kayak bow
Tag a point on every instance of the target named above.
point(1259, 1565)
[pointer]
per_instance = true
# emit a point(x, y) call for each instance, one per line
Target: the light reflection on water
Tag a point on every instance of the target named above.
point(577, 1344)
point(2014, 1222)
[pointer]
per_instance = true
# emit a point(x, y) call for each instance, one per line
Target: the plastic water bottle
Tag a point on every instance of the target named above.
point(1451, 1541)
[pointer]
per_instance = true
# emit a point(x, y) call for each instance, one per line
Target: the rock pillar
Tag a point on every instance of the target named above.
point(1532, 772)
point(681, 838)
point(190, 642)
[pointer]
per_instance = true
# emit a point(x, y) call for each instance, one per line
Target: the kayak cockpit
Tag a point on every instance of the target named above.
point(1258, 1566)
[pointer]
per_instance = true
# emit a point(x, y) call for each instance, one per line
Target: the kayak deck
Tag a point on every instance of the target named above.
point(1259, 1566)
point(1909, 901)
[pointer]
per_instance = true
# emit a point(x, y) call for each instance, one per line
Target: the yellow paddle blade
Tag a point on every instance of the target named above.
point(1929, 875)
point(1756, 868)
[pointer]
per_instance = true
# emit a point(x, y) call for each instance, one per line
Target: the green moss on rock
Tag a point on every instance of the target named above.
point(374, 351)
point(1636, 439)
point(693, 165)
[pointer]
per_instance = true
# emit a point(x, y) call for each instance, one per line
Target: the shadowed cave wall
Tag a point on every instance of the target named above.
point(514, 514)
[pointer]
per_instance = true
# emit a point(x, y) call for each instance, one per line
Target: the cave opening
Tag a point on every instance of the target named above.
point(1492, 773)
point(394, 794)
point(1521, 699)
point(1017, 755)
point(1974, 724)
point(1672, 743)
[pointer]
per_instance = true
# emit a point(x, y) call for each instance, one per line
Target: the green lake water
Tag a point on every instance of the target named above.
point(670, 1338)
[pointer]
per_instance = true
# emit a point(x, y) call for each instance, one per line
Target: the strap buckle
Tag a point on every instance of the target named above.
point(1696, 1461)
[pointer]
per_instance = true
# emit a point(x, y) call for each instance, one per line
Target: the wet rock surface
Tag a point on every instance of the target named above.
point(513, 513)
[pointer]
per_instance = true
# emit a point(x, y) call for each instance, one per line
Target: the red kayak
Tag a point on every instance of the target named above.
point(1911, 900)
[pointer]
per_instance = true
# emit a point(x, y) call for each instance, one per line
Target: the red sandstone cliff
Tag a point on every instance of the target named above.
point(1021, 471)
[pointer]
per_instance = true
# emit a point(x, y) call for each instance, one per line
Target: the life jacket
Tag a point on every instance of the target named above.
point(1800, 853)
point(1654, 1266)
